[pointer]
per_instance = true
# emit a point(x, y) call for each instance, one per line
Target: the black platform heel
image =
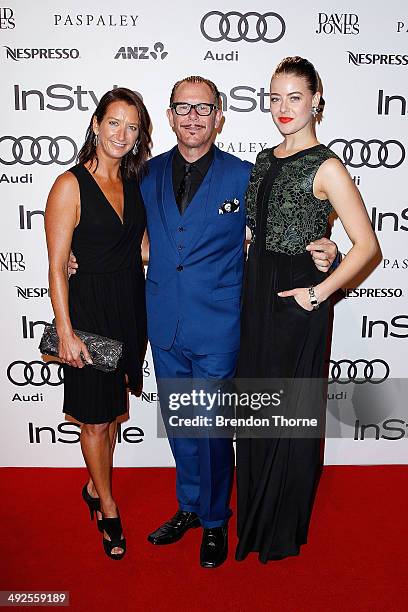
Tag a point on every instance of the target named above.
point(94, 505)
point(113, 528)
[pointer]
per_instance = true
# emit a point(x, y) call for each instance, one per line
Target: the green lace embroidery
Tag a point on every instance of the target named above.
point(295, 216)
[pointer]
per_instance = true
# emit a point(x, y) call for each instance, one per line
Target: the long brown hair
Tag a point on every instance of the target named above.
point(131, 165)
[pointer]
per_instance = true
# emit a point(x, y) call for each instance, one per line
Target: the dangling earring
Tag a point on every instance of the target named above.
point(135, 147)
point(314, 111)
point(96, 140)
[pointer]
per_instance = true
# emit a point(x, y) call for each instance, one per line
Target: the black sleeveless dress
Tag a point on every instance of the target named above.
point(276, 477)
point(106, 297)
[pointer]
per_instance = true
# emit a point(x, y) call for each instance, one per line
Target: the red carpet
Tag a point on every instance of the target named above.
point(356, 557)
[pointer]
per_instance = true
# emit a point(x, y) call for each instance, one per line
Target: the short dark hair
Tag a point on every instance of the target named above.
point(197, 79)
point(131, 165)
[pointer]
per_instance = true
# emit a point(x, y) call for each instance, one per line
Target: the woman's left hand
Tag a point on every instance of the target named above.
point(300, 295)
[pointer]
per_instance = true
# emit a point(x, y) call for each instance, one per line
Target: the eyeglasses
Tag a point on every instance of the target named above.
point(202, 108)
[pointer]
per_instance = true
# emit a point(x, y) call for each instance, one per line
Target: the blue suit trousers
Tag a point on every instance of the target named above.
point(204, 466)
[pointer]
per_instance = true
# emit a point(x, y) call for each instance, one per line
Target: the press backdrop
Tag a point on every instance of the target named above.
point(58, 58)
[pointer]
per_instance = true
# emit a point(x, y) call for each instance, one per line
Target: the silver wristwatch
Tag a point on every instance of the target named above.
point(313, 299)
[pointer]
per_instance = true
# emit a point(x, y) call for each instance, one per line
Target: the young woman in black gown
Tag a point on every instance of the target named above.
point(96, 209)
point(293, 189)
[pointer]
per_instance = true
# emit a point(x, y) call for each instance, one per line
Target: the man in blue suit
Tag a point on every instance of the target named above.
point(194, 198)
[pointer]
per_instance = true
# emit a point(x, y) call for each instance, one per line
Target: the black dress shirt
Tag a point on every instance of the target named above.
point(199, 170)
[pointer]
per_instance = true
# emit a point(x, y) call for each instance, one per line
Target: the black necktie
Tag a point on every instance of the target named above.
point(184, 189)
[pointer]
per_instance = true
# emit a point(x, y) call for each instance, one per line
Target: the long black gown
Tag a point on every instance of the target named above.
point(276, 477)
point(107, 297)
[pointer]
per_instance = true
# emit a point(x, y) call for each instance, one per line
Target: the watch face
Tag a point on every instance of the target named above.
point(313, 299)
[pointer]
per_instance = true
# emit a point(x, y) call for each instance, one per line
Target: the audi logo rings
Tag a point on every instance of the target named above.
point(346, 371)
point(43, 150)
point(367, 154)
point(36, 373)
point(244, 28)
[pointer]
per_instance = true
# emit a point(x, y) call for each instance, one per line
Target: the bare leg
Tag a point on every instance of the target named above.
point(97, 450)
point(113, 430)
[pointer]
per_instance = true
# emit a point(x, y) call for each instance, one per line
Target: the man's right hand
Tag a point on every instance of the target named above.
point(323, 252)
point(72, 265)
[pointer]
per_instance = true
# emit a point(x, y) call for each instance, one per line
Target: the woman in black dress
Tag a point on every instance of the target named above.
point(293, 189)
point(96, 209)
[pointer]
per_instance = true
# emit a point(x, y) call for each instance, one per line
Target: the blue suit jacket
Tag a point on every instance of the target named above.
point(196, 260)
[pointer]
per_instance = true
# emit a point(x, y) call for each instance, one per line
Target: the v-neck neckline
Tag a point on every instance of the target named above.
point(115, 212)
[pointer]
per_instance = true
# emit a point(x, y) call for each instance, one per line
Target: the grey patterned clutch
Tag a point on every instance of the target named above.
point(105, 352)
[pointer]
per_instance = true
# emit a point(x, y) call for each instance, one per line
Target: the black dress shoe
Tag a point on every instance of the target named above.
point(214, 546)
point(174, 529)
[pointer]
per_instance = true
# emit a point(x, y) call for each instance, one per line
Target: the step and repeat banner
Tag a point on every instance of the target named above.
point(58, 58)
